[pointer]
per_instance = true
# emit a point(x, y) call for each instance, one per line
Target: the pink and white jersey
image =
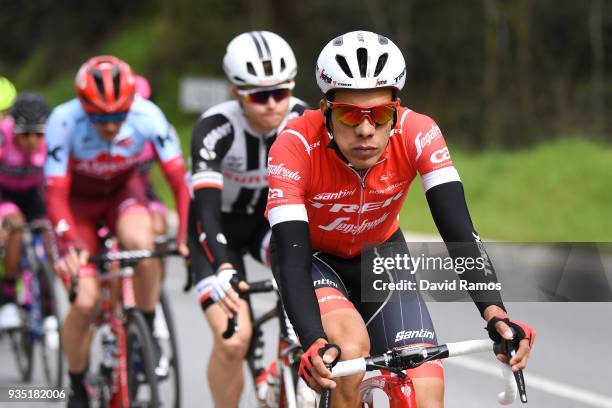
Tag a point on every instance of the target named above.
point(19, 171)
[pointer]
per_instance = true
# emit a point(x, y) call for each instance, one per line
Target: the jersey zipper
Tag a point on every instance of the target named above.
point(362, 182)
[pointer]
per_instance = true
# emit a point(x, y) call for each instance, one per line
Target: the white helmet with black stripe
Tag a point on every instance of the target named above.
point(259, 58)
point(360, 60)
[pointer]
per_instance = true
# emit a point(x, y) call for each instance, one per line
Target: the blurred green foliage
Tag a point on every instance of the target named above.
point(497, 76)
point(492, 72)
point(551, 192)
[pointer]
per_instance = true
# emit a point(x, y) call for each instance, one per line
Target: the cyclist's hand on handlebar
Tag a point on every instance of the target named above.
point(517, 335)
point(71, 262)
point(218, 287)
point(183, 249)
point(312, 367)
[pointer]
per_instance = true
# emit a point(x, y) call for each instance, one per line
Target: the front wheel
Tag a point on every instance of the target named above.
point(141, 358)
point(50, 341)
point(168, 369)
point(22, 344)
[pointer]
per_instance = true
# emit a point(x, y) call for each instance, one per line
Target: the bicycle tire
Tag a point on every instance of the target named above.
point(174, 360)
point(23, 347)
point(141, 359)
point(54, 373)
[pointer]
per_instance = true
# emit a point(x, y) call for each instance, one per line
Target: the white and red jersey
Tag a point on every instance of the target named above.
point(308, 181)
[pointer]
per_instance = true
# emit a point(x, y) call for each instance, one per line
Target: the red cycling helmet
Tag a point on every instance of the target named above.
point(105, 84)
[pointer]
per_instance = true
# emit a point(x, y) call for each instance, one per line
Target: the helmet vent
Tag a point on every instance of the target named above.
point(344, 65)
point(382, 60)
point(267, 66)
point(362, 61)
point(97, 75)
point(283, 64)
point(251, 69)
point(116, 80)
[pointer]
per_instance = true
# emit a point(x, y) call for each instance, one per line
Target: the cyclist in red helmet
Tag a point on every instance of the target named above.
point(95, 142)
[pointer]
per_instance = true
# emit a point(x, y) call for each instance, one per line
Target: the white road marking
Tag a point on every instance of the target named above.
point(541, 383)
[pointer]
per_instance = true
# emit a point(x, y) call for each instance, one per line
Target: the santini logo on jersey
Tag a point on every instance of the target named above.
point(279, 171)
point(426, 139)
point(334, 196)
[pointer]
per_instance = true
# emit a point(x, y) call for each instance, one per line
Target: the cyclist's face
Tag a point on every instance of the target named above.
point(362, 145)
point(264, 117)
point(108, 130)
point(29, 142)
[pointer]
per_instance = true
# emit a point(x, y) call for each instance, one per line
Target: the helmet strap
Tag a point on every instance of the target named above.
point(328, 122)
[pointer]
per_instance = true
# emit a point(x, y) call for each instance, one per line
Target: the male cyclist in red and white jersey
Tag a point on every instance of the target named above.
point(95, 142)
point(338, 177)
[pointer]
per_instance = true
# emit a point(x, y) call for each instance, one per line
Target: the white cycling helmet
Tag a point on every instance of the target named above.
point(259, 58)
point(360, 60)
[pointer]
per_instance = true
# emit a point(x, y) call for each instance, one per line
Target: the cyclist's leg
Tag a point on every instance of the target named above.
point(11, 214)
point(402, 319)
point(76, 329)
point(225, 364)
point(343, 326)
point(12, 241)
point(158, 212)
point(130, 220)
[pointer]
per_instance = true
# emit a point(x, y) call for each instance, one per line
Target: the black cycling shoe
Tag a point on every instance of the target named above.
point(78, 397)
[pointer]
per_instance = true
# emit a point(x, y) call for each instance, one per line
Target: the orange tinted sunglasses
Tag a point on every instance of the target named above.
point(352, 115)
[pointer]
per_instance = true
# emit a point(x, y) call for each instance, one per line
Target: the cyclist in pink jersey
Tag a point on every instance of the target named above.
point(337, 179)
point(22, 156)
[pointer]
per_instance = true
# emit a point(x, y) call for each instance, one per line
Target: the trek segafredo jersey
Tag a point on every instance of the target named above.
point(228, 154)
point(310, 182)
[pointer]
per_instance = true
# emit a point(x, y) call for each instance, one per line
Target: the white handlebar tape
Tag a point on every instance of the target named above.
point(349, 367)
point(510, 392)
point(469, 347)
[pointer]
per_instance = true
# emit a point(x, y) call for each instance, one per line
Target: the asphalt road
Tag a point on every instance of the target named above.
point(569, 368)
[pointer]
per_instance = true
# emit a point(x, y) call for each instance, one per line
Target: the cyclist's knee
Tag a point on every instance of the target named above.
point(139, 239)
point(429, 392)
point(85, 304)
point(232, 349)
point(15, 218)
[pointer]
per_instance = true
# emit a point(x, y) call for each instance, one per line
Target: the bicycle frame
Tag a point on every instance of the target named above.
point(113, 314)
point(399, 391)
point(288, 351)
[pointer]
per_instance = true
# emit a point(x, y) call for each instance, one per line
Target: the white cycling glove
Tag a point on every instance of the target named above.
point(215, 287)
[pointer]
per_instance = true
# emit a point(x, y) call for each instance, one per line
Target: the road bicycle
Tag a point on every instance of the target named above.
point(128, 374)
point(38, 306)
point(397, 385)
point(277, 384)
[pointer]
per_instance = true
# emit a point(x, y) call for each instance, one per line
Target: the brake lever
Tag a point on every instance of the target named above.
point(509, 348)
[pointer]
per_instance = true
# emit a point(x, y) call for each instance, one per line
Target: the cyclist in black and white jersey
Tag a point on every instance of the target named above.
point(229, 153)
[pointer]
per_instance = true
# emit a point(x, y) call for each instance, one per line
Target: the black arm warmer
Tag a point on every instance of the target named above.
point(208, 212)
point(451, 215)
point(291, 264)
